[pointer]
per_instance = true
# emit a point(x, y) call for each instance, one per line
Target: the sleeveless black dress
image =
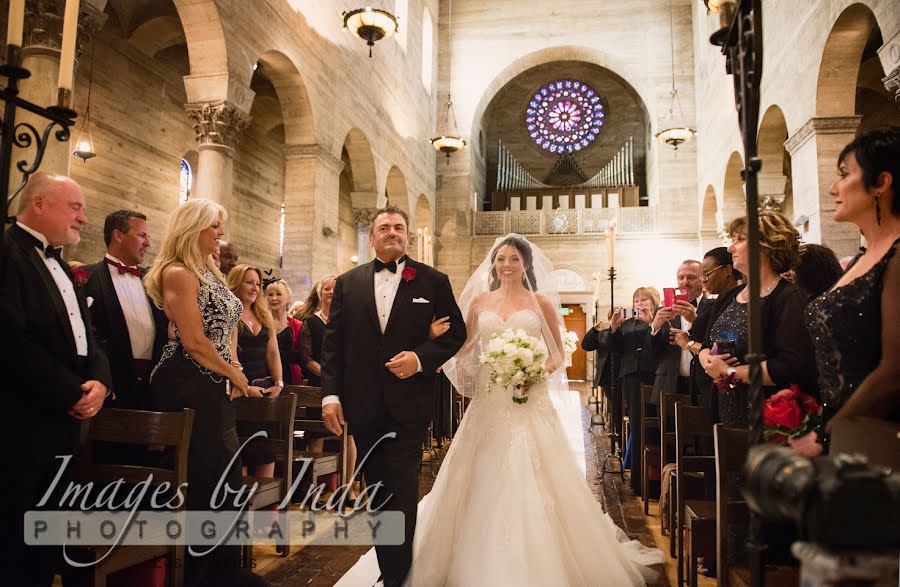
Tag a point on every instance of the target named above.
point(845, 325)
point(179, 382)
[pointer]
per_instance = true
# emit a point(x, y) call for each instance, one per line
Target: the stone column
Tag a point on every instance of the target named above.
point(889, 54)
point(40, 55)
point(311, 187)
point(814, 150)
point(218, 126)
point(363, 218)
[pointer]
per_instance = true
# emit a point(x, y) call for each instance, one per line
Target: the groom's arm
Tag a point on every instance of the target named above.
point(332, 362)
point(434, 353)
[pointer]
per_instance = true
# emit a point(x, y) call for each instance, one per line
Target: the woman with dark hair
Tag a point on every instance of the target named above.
point(719, 274)
point(817, 271)
point(786, 344)
point(856, 325)
point(529, 282)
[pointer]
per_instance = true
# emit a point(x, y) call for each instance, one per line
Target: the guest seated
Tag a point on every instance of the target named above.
point(817, 271)
point(786, 343)
point(257, 353)
point(856, 325)
point(287, 330)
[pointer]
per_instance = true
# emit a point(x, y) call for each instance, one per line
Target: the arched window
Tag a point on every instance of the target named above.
point(427, 49)
point(185, 183)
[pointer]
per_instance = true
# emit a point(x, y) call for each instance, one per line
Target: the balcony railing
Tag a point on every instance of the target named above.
point(581, 221)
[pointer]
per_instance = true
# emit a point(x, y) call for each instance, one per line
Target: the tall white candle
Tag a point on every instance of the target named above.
point(612, 244)
point(67, 56)
point(15, 22)
point(420, 245)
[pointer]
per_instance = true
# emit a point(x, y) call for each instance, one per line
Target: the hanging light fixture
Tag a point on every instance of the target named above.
point(450, 141)
point(674, 135)
point(370, 24)
point(84, 145)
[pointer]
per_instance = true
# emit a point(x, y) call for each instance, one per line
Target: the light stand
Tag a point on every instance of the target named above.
point(615, 448)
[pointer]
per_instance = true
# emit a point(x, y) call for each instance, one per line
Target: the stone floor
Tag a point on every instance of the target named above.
point(322, 566)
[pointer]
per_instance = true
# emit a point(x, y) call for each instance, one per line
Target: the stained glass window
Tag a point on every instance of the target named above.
point(184, 186)
point(565, 116)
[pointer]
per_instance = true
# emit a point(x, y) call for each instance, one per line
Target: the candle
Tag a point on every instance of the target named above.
point(15, 22)
point(67, 56)
point(611, 235)
point(420, 245)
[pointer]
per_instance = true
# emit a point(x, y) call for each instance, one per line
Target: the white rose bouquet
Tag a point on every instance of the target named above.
point(570, 341)
point(515, 359)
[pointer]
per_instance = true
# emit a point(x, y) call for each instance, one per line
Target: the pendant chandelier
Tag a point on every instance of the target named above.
point(84, 145)
point(370, 24)
point(450, 140)
point(674, 135)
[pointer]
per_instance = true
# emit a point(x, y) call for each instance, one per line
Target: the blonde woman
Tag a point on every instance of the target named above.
point(287, 330)
point(197, 369)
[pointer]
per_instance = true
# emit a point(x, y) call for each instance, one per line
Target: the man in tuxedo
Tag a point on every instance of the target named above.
point(228, 257)
point(379, 366)
point(57, 375)
point(131, 329)
point(673, 373)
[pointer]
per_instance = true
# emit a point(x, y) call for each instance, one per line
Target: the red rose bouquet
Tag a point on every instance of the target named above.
point(790, 419)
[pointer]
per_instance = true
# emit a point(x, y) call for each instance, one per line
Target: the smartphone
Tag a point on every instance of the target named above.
point(725, 346)
point(681, 297)
point(629, 313)
point(668, 297)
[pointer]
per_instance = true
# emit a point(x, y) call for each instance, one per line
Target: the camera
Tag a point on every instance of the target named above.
point(629, 313)
point(841, 503)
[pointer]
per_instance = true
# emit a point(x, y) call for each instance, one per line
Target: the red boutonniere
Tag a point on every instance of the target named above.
point(408, 273)
point(79, 276)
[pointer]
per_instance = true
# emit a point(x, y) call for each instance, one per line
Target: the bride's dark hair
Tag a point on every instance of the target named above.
point(527, 258)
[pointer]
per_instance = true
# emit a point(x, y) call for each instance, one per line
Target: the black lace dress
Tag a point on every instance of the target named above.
point(845, 325)
point(179, 382)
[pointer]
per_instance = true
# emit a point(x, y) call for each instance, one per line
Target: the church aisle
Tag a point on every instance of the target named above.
point(322, 566)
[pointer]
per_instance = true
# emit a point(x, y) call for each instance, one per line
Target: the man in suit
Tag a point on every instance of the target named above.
point(378, 365)
point(131, 329)
point(673, 373)
point(228, 257)
point(57, 374)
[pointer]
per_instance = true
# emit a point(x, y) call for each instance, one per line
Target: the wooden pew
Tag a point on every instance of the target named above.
point(693, 429)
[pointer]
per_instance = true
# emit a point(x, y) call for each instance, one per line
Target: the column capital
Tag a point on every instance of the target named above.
point(364, 216)
point(892, 84)
point(44, 24)
point(217, 124)
point(313, 151)
point(825, 125)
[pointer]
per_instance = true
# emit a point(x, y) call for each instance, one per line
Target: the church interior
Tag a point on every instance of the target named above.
point(604, 132)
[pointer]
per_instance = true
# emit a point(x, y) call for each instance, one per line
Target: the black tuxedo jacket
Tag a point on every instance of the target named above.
point(111, 332)
point(354, 350)
point(598, 340)
point(669, 355)
point(43, 373)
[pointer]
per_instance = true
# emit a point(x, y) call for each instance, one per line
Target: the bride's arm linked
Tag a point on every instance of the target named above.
point(471, 328)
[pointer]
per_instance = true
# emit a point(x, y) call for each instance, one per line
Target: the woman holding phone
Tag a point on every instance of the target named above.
point(722, 331)
point(629, 336)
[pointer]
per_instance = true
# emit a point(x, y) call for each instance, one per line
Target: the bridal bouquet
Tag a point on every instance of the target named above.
point(790, 419)
point(570, 341)
point(515, 359)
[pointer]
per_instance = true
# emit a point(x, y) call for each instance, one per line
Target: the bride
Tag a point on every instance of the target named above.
point(510, 505)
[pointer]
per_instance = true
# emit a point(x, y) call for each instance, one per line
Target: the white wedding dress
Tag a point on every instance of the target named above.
point(511, 506)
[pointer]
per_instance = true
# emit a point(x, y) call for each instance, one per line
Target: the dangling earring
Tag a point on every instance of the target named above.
point(877, 211)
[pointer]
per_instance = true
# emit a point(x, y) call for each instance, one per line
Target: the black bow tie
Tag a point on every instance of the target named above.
point(694, 303)
point(49, 250)
point(390, 266)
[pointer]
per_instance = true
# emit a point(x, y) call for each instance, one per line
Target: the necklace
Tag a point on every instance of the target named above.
point(745, 293)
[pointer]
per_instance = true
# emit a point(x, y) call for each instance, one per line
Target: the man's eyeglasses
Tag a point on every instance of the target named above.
point(706, 274)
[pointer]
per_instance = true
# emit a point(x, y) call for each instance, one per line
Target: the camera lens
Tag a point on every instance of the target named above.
point(778, 482)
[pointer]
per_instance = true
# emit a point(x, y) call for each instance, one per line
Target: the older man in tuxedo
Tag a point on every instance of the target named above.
point(131, 329)
point(378, 364)
point(57, 375)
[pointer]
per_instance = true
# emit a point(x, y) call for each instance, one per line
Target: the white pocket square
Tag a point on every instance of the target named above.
point(420, 301)
point(90, 301)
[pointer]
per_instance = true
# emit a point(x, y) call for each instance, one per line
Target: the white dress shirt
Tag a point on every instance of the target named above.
point(136, 309)
point(66, 290)
point(386, 286)
point(684, 366)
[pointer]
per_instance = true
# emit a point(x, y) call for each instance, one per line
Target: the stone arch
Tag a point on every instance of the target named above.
point(207, 52)
point(156, 34)
point(395, 190)
point(362, 163)
point(775, 188)
point(709, 221)
point(734, 202)
point(570, 279)
point(839, 69)
point(291, 91)
point(423, 217)
point(643, 89)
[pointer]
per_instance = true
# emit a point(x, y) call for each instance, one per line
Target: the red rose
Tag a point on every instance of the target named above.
point(79, 276)
point(408, 273)
point(782, 410)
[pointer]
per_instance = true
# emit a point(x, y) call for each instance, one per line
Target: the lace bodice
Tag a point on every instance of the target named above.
point(845, 325)
point(220, 311)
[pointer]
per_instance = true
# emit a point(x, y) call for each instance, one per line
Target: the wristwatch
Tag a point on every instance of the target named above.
point(691, 344)
point(280, 384)
point(732, 372)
